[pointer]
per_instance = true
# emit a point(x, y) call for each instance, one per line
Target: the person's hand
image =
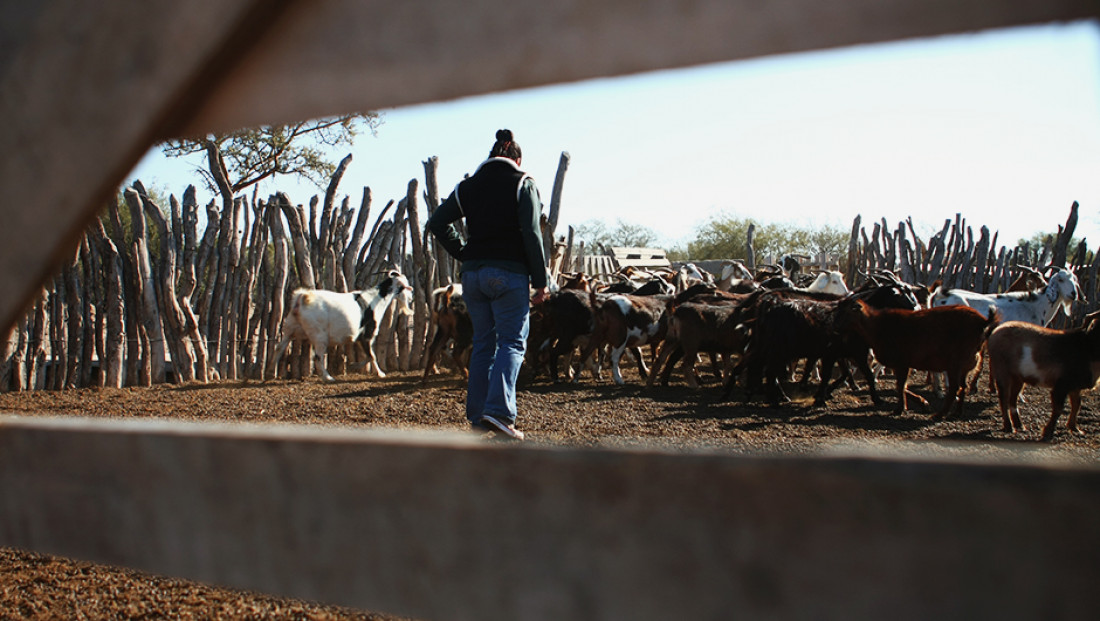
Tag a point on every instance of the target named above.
point(541, 295)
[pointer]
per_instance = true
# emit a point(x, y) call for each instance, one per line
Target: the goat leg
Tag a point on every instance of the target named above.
point(1057, 402)
point(731, 379)
point(674, 356)
point(1074, 407)
point(956, 395)
point(901, 375)
point(1007, 396)
point(865, 367)
point(643, 371)
point(319, 355)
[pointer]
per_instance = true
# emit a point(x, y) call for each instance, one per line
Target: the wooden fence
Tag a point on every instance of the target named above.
point(956, 258)
point(155, 301)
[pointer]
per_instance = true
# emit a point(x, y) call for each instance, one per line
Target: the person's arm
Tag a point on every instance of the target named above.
point(441, 224)
point(530, 208)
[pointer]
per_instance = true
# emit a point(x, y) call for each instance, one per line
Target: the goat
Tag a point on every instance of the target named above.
point(736, 278)
point(789, 325)
point(626, 322)
point(881, 277)
point(329, 318)
point(695, 327)
point(946, 338)
point(577, 280)
point(1037, 306)
point(559, 325)
point(655, 286)
point(689, 275)
point(452, 324)
point(1029, 278)
point(829, 281)
point(1066, 361)
point(773, 277)
point(671, 351)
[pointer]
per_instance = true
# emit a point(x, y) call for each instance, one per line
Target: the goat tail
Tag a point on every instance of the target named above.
point(302, 297)
point(991, 323)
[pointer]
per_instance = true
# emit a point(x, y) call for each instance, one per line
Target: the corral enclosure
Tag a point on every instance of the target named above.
point(211, 305)
point(574, 533)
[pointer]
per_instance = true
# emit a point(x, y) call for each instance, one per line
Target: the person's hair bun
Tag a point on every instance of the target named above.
point(504, 135)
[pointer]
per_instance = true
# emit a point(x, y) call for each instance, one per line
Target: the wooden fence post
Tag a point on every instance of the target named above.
point(165, 289)
point(555, 204)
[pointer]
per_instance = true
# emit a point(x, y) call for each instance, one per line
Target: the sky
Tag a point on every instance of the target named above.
point(1002, 127)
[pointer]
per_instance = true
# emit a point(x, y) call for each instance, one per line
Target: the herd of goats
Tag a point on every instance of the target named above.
point(757, 328)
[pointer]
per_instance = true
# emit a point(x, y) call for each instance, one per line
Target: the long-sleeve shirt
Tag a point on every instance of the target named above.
point(442, 225)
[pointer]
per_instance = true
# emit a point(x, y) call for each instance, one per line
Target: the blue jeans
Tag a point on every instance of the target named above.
point(499, 302)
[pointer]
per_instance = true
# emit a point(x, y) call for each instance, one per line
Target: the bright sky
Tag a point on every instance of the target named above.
point(1002, 127)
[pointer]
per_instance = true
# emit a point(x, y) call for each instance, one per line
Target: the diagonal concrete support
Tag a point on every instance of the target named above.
point(445, 526)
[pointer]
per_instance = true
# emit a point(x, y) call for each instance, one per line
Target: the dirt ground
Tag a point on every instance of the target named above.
point(589, 414)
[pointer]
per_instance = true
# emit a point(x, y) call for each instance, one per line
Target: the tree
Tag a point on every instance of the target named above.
point(248, 156)
point(724, 237)
point(625, 234)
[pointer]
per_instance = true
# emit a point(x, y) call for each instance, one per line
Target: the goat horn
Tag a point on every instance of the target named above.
point(890, 276)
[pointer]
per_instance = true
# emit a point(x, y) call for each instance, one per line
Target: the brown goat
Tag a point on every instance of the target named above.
point(1066, 361)
point(695, 327)
point(946, 338)
point(452, 323)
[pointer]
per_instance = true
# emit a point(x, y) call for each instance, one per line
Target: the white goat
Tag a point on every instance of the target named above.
point(829, 281)
point(1037, 306)
point(329, 318)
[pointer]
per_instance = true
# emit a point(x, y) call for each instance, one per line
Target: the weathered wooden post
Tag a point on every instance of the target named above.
point(1061, 243)
point(555, 205)
point(420, 280)
point(444, 264)
point(280, 277)
point(188, 282)
point(182, 357)
point(150, 315)
point(74, 323)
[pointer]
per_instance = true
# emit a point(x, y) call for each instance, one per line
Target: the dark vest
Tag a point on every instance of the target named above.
point(490, 202)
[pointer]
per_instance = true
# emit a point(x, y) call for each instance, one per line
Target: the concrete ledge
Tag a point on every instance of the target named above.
point(424, 524)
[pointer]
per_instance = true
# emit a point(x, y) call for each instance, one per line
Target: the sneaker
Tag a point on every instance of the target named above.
point(479, 428)
point(499, 426)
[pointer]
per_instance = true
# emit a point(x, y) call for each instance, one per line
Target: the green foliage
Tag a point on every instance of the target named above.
point(722, 237)
point(254, 154)
point(625, 234)
point(725, 237)
point(1041, 240)
point(160, 198)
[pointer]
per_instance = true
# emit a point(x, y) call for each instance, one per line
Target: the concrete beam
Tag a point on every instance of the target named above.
point(85, 88)
point(325, 57)
point(446, 526)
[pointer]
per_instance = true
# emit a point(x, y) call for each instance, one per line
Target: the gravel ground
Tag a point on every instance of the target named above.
point(590, 414)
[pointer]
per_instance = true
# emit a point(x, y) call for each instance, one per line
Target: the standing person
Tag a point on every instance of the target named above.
point(502, 259)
